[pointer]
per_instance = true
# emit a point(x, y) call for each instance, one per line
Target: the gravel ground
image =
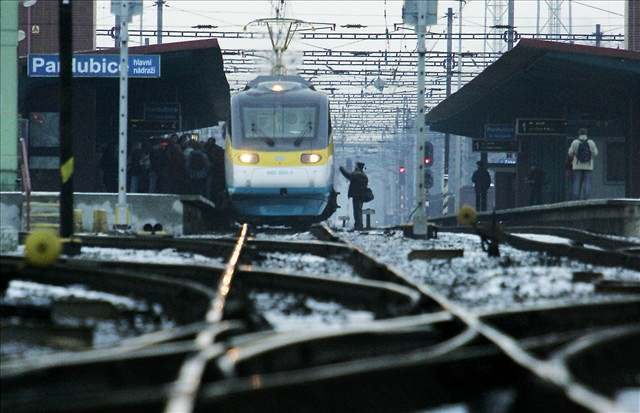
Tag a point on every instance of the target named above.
point(307, 264)
point(482, 282)
point(165, 256)
point(134, 317)
point(288, 312)
point(299, 236)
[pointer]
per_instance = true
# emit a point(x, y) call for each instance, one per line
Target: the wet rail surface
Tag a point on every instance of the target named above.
point(420, 350)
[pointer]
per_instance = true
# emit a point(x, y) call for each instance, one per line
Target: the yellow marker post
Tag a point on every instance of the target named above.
point(42, 248)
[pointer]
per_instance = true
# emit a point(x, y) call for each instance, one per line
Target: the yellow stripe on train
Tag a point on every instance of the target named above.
point(280, 158)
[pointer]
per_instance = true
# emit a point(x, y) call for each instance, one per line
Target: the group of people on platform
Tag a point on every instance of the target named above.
point(580, 157)
point(173, 165)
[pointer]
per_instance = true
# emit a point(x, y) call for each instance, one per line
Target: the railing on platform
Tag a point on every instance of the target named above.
point(26, 183)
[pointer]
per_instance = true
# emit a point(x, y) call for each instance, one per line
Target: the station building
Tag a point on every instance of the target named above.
point(192, 92)
point(560, 88)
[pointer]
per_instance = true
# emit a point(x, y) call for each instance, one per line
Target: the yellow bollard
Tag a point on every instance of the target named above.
point(99, 220)
point(42, 247)
point(78, 225)
point(467, 215)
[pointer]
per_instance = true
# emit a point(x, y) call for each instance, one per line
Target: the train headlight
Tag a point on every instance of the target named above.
point(310, 158)
point(248, 157)
point(277, 87)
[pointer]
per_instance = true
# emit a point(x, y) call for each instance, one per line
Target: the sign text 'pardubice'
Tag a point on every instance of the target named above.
point(88, 65)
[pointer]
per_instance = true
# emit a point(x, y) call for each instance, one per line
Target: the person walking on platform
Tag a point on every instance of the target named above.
point(215, 180)
point(358, 182)
point(582, 151)
point(481, 182)
point(197, 169)
point(536, 182)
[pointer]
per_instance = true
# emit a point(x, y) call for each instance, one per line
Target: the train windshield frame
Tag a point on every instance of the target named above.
point(280, 123)
point(301, 106)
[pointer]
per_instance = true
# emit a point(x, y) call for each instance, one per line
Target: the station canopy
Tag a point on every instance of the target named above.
point(542, 79)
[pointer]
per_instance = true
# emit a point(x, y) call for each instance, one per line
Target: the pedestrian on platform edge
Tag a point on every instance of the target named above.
point(582, 151)
point(481, 182)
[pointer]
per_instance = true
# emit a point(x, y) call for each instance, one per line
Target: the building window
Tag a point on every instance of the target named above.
point(615, 161)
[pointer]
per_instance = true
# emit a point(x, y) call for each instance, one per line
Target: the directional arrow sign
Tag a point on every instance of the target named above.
point(494, 146)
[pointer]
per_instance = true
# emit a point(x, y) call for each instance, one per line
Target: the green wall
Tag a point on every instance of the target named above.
point(8, 94)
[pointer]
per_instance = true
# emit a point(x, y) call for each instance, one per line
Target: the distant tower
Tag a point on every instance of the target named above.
point(558, 18)
point(495, 14)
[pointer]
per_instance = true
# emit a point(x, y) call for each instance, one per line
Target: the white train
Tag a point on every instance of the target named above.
point(279, 152)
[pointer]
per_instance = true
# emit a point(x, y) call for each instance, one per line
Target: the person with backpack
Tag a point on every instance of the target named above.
point(582, 152)
point(358, 183)
point(198, 169)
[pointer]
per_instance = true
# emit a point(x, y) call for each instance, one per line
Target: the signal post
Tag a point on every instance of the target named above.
point(420, 14)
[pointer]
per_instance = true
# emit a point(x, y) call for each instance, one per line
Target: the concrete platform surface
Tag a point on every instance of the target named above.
point(619, 216)
point(178, 214)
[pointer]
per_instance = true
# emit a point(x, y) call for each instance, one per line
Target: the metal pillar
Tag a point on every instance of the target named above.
point(117, 32)
point(159, 4)
point(447, 136)
point(538, 16)
point(8, 96)
point(65, 29)
point(510, 18)
point(598, 35)
point(122, 213)
point(420, 220)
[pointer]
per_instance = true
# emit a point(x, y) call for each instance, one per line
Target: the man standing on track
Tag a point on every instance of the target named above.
point(358, 182)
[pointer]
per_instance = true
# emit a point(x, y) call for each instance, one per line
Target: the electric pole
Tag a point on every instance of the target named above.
point(159, 4)
point(66, 138)
point(510, 18)
point(447, 137)
point(420, 221)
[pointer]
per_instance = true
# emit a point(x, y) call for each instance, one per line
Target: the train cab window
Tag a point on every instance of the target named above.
point(279, 122)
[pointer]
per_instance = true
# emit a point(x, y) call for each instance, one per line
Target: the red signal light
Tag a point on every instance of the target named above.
point(403, 169)
point(428, 161)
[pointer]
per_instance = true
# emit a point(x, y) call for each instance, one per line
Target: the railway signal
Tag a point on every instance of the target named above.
point(427, 158)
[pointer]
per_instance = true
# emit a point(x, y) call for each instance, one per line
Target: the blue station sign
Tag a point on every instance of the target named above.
point(94, 65)
point(499, 132)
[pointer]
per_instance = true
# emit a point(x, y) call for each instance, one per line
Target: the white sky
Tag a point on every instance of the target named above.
point(231, 16)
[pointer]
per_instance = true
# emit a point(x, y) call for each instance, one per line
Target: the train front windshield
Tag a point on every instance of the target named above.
point(280, 123)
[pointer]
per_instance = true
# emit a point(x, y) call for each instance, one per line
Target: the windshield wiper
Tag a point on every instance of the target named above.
point(269, 141)
point(298, 141)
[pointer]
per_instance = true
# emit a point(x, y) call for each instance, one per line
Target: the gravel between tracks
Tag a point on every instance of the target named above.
point(482, 282)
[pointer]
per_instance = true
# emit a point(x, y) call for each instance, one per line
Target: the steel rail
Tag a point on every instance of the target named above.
point(545, 370)
point(606, 257)
point(185, 389)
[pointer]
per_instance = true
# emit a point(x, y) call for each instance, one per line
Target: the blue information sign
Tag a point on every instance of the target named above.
point(94, 65)
point(498, 132)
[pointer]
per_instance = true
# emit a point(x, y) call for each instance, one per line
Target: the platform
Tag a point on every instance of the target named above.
point(606, 216)
point(178, 214)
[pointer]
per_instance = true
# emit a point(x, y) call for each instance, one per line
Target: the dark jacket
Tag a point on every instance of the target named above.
point(358, 182)
point(481, 180)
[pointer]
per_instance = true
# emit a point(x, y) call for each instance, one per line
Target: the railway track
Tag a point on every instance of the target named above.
point(417, 350)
